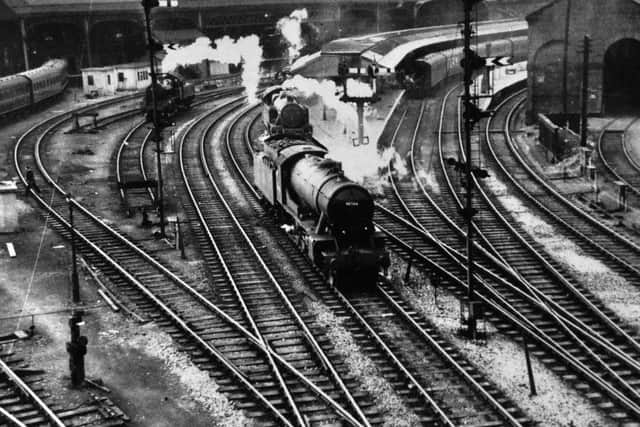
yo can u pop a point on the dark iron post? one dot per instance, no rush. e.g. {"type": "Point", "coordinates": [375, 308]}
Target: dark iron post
{"type": "Point", "coordinates": [77, 348]}
{"type": "Point", "coordinates": [147, 6]}
{"type": "Point", "coordinates": [75, 284]}
{"type": "Point", "coordinates": [585, 91]}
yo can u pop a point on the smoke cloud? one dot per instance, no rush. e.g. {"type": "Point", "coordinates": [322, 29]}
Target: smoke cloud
{"type": "Point", "coordinates": [328, 91]}
{"type": "Point", "coordinates": [245, 50]}
{"type": "Point", "coordinates": [365, 164]}
{"type": "Point", "coordinates": [290, 27]}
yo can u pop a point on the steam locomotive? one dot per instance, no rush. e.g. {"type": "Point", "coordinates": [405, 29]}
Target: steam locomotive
{"type": "Point", "coordinates": [172, 93]}
{"type": "Point", "coordinates": [328, 216]}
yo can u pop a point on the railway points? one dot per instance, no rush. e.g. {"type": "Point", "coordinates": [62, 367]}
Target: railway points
{"type": "Point", "coordinates": [314, 281]}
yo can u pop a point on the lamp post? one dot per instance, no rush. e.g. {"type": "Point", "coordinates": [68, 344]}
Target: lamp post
{"type": "Point", "coordinates": [147, 6]}
{"type": "Point", "coordinates": [75, 286]}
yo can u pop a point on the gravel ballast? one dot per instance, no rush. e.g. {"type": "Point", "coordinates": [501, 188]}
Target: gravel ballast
{"type": "Point", "coordinates": [500, 359]}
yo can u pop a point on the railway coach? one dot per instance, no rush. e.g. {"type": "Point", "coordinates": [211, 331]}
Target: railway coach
{"type": "Point", "coordinates": [26, 89]}
{"type": "Point", "coordinates": [429, 71]}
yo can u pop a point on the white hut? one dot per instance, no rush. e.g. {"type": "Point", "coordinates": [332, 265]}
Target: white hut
{"type": "Point", "coordinates": [104, 81]}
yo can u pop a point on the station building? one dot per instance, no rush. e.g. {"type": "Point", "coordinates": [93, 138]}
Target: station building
{"type": "Point", "coordinates": [104, 81]}
{"type": "Point", "coordinates": [555, 64]}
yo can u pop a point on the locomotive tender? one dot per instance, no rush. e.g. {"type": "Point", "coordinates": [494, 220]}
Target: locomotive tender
{"type": "Point", "coordinates": [328, 216]}
{"type": "Point", "coordinates": [173, 94]}
{"type": "Point", "coordinates": [26, 89]}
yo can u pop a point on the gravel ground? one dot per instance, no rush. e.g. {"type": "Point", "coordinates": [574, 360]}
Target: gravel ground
{"type": "Point", "coordinates": [393, 410]}
{"type": "Point", "coordinates": [200, 387]}
{"type": "Point", "coordinates": [501, 359]}
{"type": "Point", "coordinates": [154, 385]}
{"type": "Point", "coordinates": [615, 291]}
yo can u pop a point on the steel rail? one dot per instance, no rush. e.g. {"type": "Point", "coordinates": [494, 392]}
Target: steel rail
{"type": "Point", "coordinates": [121, 148]}
{"type": "Point", "coordinates": [310, 337]}
{"type": "Point", "coordinates": [570, 205]}
{"type": "Point", "coordinates": [504, 310]}
{"type": "Point", "coordinates": [131, 278]}
{"type": "Point", "coordinates": [327, 399]}
{"type": "Point", "coordinates": [196, 204]}
{"type": "Point", "coordinates": [595, 310]}
{"type": "Point", "coordinates": [445, 355]}
{"type": "Point", "coordinates": [207, 97]}
{"type": "Point", "coordinates": [30, 394]}
{"type": "Point", "coordinates": [612, 170]}
{"type": "Point", "coordinates": [536, 297]}
{"type": "Point", "coordinates": [496, 405]}
{"type": "Point", "coordinates": [427, 397]}
{"type": "Point", "coordinates": [175, 279]}
{"type": "Point", "coordinates": [9, 417]}
{"type": "Point", "coordinates": [597, 358]}
{"type": "Point", "coordinates": [444, 419]}
{"type": "Point", "coordinates": [625, 147]}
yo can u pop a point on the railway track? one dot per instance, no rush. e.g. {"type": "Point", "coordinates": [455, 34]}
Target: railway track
{"type": "Point", "coordinates": [244, 283]}
{"type": "Point", "coordinates": [614, 153]}
{"type": "Point", "coordinates": [131, 172]}
{"type": "Point", "coordinates": [438, 376]}
{"type": "Point", "coordinates": [20, 403]}
{"type": "Point", "coordinates": [573, 326]}
{"type": "Point", "coordinates": [594, 237]}
{"type": "Point", "coordinates": [215, 341]}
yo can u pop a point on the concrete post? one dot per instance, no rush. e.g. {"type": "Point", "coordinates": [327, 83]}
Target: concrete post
{"type": "Point", "coordinates": [87, 37]}
{"type": "Point", "coordinates": [25, 45]}
{"type": "Point", "coordinates": [360, 123]}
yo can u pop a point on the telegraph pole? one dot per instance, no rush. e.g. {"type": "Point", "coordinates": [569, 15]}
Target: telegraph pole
{"type": "Point", "coordinates": [585, 91]}
{"type": "Point", "coordinates": [565, 61]}
{"type": "Point", "coordinates": [156, 133]}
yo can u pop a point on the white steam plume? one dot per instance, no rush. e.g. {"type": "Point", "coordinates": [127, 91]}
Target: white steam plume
{"type": "Point", "coordinates": [245, 49]}
{"type": "Point", "coordinates": [291, 29]}
{"type": "Point", "coordinates": [328, 92]}
{"type": "Point", "coordinates": [364, 164]}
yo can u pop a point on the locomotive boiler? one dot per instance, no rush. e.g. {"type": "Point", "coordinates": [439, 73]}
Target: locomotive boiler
{"type": "Point", "coordinates": [328, 216]}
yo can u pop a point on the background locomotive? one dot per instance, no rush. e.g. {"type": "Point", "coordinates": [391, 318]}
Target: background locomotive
{"type": "Point", "coordinates": [31, 87]}
{"type": "Point", "coordinates": [329, 217]}
{"type": "Point", "coordinates": [173, 94]}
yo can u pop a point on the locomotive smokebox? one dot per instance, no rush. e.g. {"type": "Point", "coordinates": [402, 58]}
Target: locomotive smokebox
{"type": "Point", "coordinates": [320, 184]}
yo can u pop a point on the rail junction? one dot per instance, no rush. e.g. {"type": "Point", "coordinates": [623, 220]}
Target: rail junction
{"type": "Point", "coordinates": [490, 245]}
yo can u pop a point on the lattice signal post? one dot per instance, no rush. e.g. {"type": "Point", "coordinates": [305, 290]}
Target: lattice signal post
{"type": "Point", "coordinates": [472, 115]}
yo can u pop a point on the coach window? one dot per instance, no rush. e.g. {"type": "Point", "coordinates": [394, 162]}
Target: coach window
{"type": "Point", "coordinates": [120, 77]}
{"type": "Point", "coordinates": [108, 79]}
{"type": "Point", "coordinates": [90, 80]}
